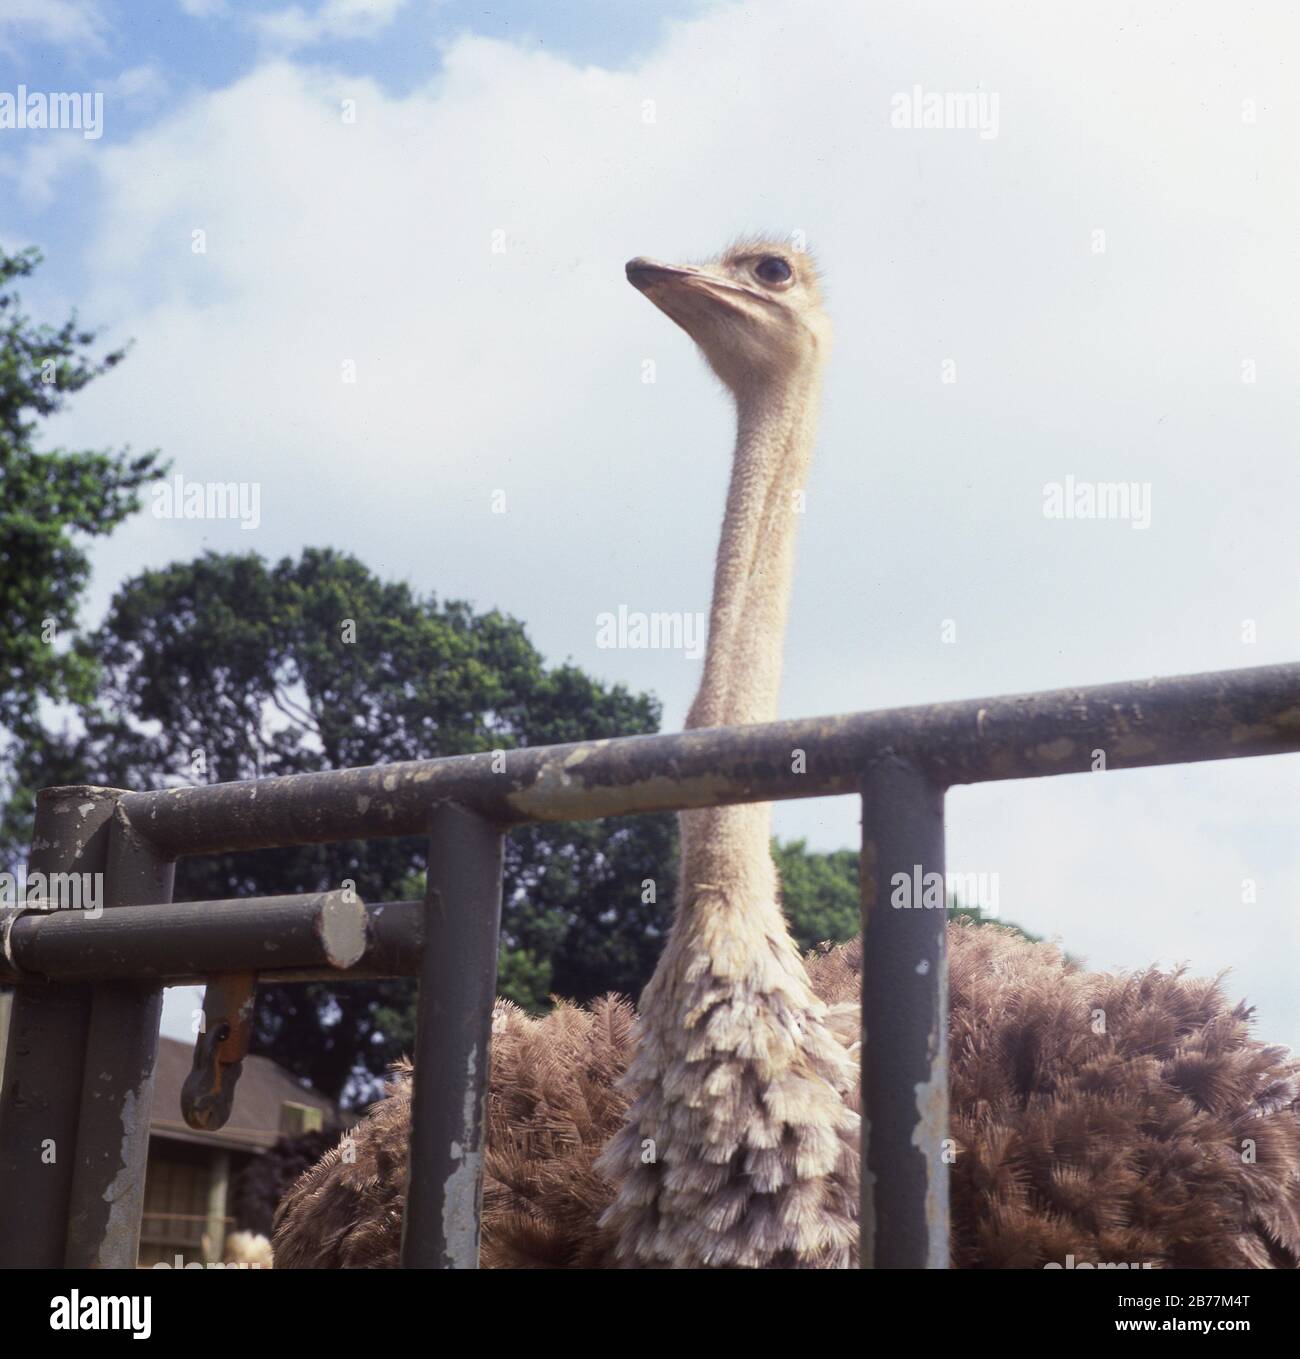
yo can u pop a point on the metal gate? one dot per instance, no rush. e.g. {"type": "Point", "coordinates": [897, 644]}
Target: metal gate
{"type": "Point", "coordinates": [78, 1084]}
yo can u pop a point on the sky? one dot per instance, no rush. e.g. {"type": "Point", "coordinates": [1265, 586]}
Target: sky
{"type": "Point", "coordinates": [1097, 280]}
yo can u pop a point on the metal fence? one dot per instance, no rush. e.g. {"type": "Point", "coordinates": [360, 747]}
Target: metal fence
{"type": "Point", "coordinates": [77, 1093]}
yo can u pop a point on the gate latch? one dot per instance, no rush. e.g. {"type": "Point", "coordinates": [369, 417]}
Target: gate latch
{"type": "Point", "coordinates": [219, 1052]}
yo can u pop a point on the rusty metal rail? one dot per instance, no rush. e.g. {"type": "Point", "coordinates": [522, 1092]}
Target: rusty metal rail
{"type": "Point", "coordinates": [1161, 721]}
{"type": "Point", "coordinates": [84, 1031]}
{"type": "Point", "coordinates": [187, 941]}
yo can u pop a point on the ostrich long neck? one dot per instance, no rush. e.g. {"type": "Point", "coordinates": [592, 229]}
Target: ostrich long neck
{"type": "Point", "coordinates": [751, 594]}
{"type": "Point", "coordinates": [740, 1146]}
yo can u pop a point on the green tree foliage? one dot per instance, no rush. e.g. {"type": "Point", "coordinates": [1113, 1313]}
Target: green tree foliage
{"type": "Point", "coordinates": [230, 668]}
{"type": "Point", "coordinates": [819, 893]}
{"type": "Point", "coordinates": [50, 502]}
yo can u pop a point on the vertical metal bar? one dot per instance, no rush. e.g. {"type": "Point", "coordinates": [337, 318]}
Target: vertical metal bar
{"type": "Point", "coordinates": [107, 1197]}
{"type": "Point", "coordinates": [458, 977]}
{"type": "Point", "coordinates": [41, 1098]}
{"type": "Point", "coordinates": [214, 1233]}
{"type": "Point", "coordinates": [904, 1021]}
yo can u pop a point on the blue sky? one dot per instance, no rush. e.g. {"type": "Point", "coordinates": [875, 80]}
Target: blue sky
{"type": "Point", "coordinates": [1105, 289]}
{"type": "Point", "coordinates": [211, 42]}
{"type": "Point", "coordinates": [168, 51]}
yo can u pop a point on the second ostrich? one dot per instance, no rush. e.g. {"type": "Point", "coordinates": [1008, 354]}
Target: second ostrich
{"type": "Point", "coordinates": [721, 1129]}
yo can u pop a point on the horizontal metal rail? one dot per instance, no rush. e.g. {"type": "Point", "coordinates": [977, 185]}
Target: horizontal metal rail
{"type": "Point", "coordinates": [1185, 719]}
{"type": "Point", "coordinates": [320, 933]}
{"type": "Point", "coordinates": [85, 1021]}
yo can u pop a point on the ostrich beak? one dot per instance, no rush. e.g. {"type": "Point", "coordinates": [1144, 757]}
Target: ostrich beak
{"type": "Point", "coordinates": [643, 273]}
{"type": "Point", "coordinates": [649, 276]}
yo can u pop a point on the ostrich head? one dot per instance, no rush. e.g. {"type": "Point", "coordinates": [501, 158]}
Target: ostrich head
{"type": "Point", "coordinates": [755, 311]}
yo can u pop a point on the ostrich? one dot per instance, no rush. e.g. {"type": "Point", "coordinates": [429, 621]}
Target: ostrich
{"type": "Point", "coordinates": [740, 1147]}
{"type": "Point", "coordinates": [720, 1127]}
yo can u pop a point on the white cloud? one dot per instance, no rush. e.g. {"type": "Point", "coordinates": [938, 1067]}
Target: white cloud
{"type": "Point", "coordinates": [69, 23]}
{"type": "Point", "coordinates": [49, 161]}
{"type": "Point", "coordinates": [204, 9]}
{"type": "Point", "coordinates": [334, 20]}
{"type": "Point", "coordinates": [137, 85]}
{"type": "Point", "coordinates": [372, 242]}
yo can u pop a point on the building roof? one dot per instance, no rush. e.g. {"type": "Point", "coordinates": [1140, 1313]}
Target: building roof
{"type": "Point", "coordinates": [261, 1092]}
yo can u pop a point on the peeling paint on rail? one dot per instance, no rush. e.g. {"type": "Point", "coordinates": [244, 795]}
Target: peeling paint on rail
{"type": "Point", "coordinates": [1183, 719]}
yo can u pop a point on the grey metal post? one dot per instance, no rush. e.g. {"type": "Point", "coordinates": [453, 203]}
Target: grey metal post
{"type": "Point", "coordinates": [48, 1030]}
{"type": "Point", "coordinates": [904, 1020]}
{"type": "Point", "coordinates": [458, 976]}
{"type": "Point", "coordinates": [107, 1197]}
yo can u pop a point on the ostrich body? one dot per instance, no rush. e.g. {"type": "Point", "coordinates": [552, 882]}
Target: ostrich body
{"type": "Point", "coordinates": [720, 1128]}
{"type": "Point", "coordinates": [1121, 1146]}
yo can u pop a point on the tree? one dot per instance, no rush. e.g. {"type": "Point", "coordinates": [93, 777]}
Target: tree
{"type": "Point", "coordinates": [49, 502]}
{"type": "Point", "coordinates": [228, 668]}
{"type": "Point", "coordinates": [819, 893]}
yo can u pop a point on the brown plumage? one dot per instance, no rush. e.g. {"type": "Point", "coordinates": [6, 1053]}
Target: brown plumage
{"type": "Point", "coordinates": [553, 1103]}
{"type": "Point", "coordinates": [1125, 1118]}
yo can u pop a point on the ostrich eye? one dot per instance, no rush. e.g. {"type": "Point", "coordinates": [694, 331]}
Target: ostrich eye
{"type": "Point", "coordinates": [773, 270]}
